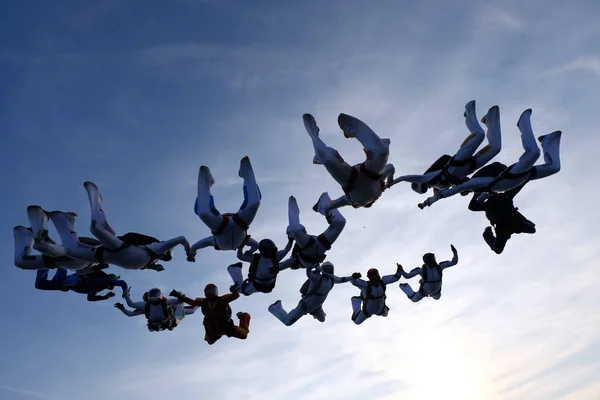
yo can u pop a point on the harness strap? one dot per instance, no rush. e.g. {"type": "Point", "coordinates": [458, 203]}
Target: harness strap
{"type": "Point", "coordinates": [238, 220]}
{"type": "Point", "coordinates": [353, 177]}
{"type": "Point", "coordinates": [223, 225]}
{"type": "Point", "coordinates": [369, 174]}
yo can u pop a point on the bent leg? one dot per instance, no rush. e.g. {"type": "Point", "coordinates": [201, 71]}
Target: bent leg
{"type": "Point", "coordinates": [376, 149]}
{"type": "Point", "coordinates": [98, 216]}
{"type": "Point", "coordinates": [38, 220]}
{"type": "Point", "coordinates": [336, 222]}
{"type": "Point", "coordinates": [358, 316]}
{"type": "Point", "coordinates": [327, 156]}
{"type": "Point", "coordinates": [410, 293]}
{"type": "Point", "coordinates": [551, 148]}
{"type": "Point", "coordinates": [241, 331]}
{"type": "Point", "coordinates": [286, 318]}
{"type": "Point", "coordinates": [205, 202]}
{"type": "Point", "coordinates": [532, 152]}
{"type": "Point", "coordinates": [43, 283]}
{"type": "Point", "coordinates": [235, 271]}
{"type": "Point", "coordinates": [494, 137]}
{"type": "Point", "coordinates": [99, 225]}
{"type": "Point", "coordinates": [252, 195]}
{"type": "Point", "coordinates": [476, 136]}
{"type": "Point", "coordinates": [65, 226]}
{"type": "Point", "coordinates": [23, 245]}
{"type": "Point", "coordinates": [319, 314]}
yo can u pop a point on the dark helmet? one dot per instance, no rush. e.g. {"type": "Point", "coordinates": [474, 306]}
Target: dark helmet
{"type": "Point", "coordinates": [429, 259]}
{"type": "Point", "coordinates": [419, 187]}
{"type": "Point", "coordinates": [267, 248]}
{"type": "Point", "coordinates": [327, 267]}
{"type": "Point", "coordinates": [211, 291]}
{"type": "Point", "coordinates": [373, 273]}
{"type": "Point", "coordinates": [154, 294]}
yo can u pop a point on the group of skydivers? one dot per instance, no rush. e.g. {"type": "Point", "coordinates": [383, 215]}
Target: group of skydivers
{"type": "Point", "coordinates": [493, 187]}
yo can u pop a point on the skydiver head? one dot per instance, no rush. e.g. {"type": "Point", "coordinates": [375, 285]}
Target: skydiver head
{"type": "Point", "coordinates": [167, 256]}
{"type": "Point", "coordinates": [154, 295]}
{"type": "Point", "coordinates": [327, 267]}
{"type": "Point", "coordinates": [429, 259]}
{"type": "Point", "coordinates": [419, 187]}
{"type": "Point", "coordinates": [211, 291]}
{"type": "Point", "coordinates": [373, 275]}
{"type": "Point", "coordinates": [267, 248]}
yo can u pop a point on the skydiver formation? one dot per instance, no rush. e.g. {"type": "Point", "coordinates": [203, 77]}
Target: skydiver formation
{"type": "Point", "coordinates": [493, 186]}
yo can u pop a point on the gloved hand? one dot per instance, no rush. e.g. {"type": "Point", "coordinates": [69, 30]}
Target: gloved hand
{"type": "Point", "coordinates": [399, 269]}
{"type": "Point", "coordinates": [233, 288]}
{"type": "Point", "coordinates": [110, 294]}
{"type": "Point", "coordinates": [453, 249]}
{"type": "Point", "coordinates": [248, 253]}
{"type": "Point", "coordinates": [119, 306]}
{"type": "Point", "coordinates": [356, 275]}
{"type": "Point", "coordinates": [175, 293]}
{"type": "Point", "coordinates": [191, 258]}
{"type": "Point", "coordinates": [126, 292]}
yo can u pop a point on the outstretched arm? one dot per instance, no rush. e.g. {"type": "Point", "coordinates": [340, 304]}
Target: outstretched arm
{"type": "Point", "coordinates": [128, 312]}
{"type": "Point", "coordinates": [133, 304]}
{"type": "Point", "coordinates": [393, 278]}
{"type": "Point", "coordinates": [414, 272]}
{"type": "Point", "coordinates": [181, 297]}
{"type": "Point", "coordinates": [471, 185]}
{"type": "Point", "coordinates": [253, 244]}
{"type": "Point", "coordinates": [95, 297]}
{"type": "Point", "coordinates": [241, 256]}
{"type": "Point", "coordinates": [356, 281]}
{"type": "Point", "coordinates": [414, 178]}
{"type": "Point", "coordinates": [282, 253]}
{"type": "Point", "coordinates": [229, 297]}
{"type": "Point", "coordinates": [454, 261]}
{"type": "Point", "coordinates": [337, 279]}
{"type": "Point", "coordinates": [478, 202]}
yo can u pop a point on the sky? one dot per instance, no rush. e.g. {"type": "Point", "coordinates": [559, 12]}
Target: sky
{"type": "Point", "coordinates": [136, 96]}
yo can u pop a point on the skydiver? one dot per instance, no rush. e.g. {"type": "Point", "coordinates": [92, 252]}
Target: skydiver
{"type": "Point", "coordinates": [314, 293]}
{"type": "Point", "coordinates": [431, 277]}
{"type": "Point", "coordinates": [129, 251]}
{"type": "Point", "coordinates": [229, 231]}
{"type": "Point", "coordinates": [453, 170]}
{"type": "Point", "coordinates": [24, 259]}
{"type": "Point", "coordinates": [372, 294]}
{"type": "Point", "coordinates": [161, 313]}
{"type": "Point", "coordinates": [496, 177]}
{"type": "Point", "coordinates": [363, 183]}
{"type": "Point", "coordinates": [264, 267]}
{"type": "Point", "coordinates": [504, 217]}
{"type": "Point", "coordinates": [217, 314]}
{"type": "Point", "coordinates": [90, 284]}
{"type": "Point", "coordinates": [309, 250]}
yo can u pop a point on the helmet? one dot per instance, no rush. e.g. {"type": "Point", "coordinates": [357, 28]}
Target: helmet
{"type": "Point", "coordinates": [373, 273]}
{"type": "Point", "coordinates": [154, 294]}
{"type": "Point", "coordinates": [167, 256]}
{"type": "Point", "coordinates": [211, 291]}
{"type": "Point", "coordinates": [419, 188]}
{"type": "Point", "coordinates": [429, 259]}
{"type": "Point", "coordinates": [295, 230]}
{"type": "Point", "coordinates": [327, 267]}
{"type": "Point", "coordinates": [267, 248]}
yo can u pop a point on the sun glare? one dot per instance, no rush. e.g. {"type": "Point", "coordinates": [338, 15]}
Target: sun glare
{"type": "Point", "coordinates": [447, 368]}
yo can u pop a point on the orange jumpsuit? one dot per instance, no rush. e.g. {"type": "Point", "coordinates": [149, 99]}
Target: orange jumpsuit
{"type": "Point", "coordinates": [217, 317]}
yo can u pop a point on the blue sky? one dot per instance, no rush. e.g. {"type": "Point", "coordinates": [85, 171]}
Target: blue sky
{"type": "Point", "coordinates": [135, 96]}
